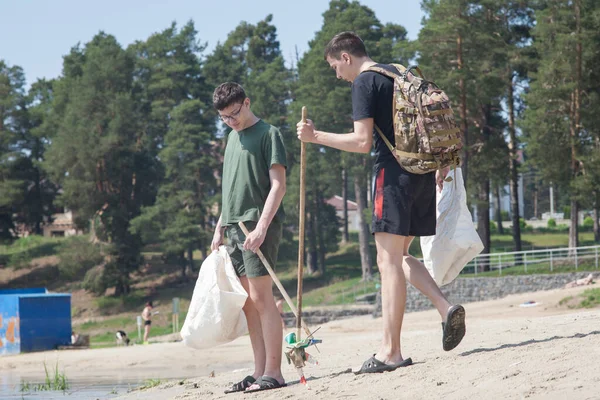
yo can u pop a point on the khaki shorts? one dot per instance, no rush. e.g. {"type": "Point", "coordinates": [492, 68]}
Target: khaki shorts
{"type": "Point", "coordinates": [245, 262]}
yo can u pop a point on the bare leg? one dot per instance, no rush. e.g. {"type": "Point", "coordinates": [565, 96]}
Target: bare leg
{"type": "Point", "coordinates": [146, 333]}
{"type": "Point", "coordinates": [416, 273]}
{"type": "Point", "coordinates": [261, 293]}
{"type": "Point", "coordinates": [255, 332]}
{"type": "Point", "coordinates": [393, 294]}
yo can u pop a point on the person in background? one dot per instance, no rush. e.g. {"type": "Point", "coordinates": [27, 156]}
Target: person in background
{"type": "Point", "coordinates": [147, 317]}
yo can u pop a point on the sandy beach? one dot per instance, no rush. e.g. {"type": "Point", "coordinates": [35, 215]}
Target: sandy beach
{"type": "Point", "coordinates": [510, 352]}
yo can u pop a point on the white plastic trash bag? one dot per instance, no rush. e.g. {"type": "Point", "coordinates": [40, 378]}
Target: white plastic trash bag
{"type": "Point", "coordinates": [456, 241]}
{"type": "Point", "coordinates": [215, 315]}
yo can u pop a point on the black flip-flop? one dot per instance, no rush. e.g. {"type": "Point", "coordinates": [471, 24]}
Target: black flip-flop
{"type": "Point", "coordinates": [266, 383]}
{"type": "Point", "coordinates": [373, 366]}
{"type": "Point", "coordinates": [241, 385]}
{"type": "Point", "coordinates": [454, 328]}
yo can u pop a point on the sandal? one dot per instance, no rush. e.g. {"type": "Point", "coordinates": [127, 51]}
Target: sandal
{"type": "Point", "coordinates": [266, 383]}
{"type": "Point", "coordinates": [241, 385]}
{"type": "Point", "coordinates": [373, 365]}
{"type": "Point", "coordinates": [454, 328]}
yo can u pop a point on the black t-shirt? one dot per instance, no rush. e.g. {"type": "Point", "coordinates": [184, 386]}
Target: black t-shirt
{"type": "Point", "coordinates": [372, 96]}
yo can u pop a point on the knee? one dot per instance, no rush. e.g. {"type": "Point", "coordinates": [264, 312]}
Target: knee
{"type": "Point", "coordinates": [386, 261]}
{"type": "Point", "coordinates": [261, 301]}
{"type": "Point", "coordinates": [248, 306]}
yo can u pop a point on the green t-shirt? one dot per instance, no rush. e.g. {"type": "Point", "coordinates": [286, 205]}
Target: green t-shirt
{"type": "Point", "coordinates": [249, 155]}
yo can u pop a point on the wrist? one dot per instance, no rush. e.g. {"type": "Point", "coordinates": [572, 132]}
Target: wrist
{"type": "Point", "coordinates": [316, 136]}
{"type": "Point", "coordinates": [262, 226]}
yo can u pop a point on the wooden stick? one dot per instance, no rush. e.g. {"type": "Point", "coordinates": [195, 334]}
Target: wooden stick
{"type": "Point", "coordinates": [275, 279]}
{"type": "Point", "coordinates": [301, 213]}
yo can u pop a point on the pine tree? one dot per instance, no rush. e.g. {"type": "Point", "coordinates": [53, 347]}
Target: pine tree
{"type": "Point", "coordinates": [33, 135]}
{"type": "Point", "coordinates": [558, 138]}
{"type": "Point", "coordinates": [98, 155]}
{"type": "Point", "coordinates": [173, 93]}
{"type": "Point", "coordinates": [12, 93]}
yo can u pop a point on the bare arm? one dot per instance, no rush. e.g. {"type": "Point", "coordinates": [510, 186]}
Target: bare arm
{"type": "Point", "coordinates": [274, 198]}
{"type": "Point", "coordinates": [359, 141]}
{"type": "Point", "coordinates": [276, 193]}
{"type": "Point", "coordinates": [217, 236]}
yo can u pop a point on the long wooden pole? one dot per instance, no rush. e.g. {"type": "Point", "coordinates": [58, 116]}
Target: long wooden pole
{"type": "Point", "coordinates": [301, 213]}
{"type": "Point", "coordinates": [275, 279]}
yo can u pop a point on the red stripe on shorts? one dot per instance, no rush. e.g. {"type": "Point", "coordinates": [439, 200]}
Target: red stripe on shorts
{"type": "Point", "coordinates": [379, 194]}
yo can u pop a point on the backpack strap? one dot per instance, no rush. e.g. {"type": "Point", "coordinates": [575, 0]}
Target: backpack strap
{"type": "Point", "coordinates": [387, 142]}
{"type": "Point", "coordinates": [402, 71]}
{"type": "Point", "coordinates": [384, 71]}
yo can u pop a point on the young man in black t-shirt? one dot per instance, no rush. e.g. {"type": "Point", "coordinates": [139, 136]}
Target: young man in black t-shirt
{"type": "Point", "coordinates": [404, 204]}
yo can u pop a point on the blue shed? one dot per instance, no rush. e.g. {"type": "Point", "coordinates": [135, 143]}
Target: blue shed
{"type": "Point", "coordinates": [33, 320]}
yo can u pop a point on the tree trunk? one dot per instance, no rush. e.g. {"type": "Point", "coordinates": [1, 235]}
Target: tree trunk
{"type": "Point", "coordinates": [483, 207]}
{"type": "Point", "coordinates": [535, 202]}
{"type": "Point", "coordinates": [363, 232]}
{"type": "Point", "coordinates": [122, 289]}
{"type": "Point", "coordinates": [596, 216]}
{"type": "Point", "coordinates": [575, 126]}
{"type": "Point", "coordinates": [39, 206]}
{"type": "Point", "coordinates": [483, 220]}
{"type": "Point", "coordinates": [345, 235]}
{"type": "Point", "coordinates": [499, 211]}
{"type": "Point", "coordinates": [513, 169]}
{"type": "Point", "coordinates": [182, 261]}
{"type": "Point", "coordinates": [463, 110]}
{"type": "Point", "coordinates": [574, 228]}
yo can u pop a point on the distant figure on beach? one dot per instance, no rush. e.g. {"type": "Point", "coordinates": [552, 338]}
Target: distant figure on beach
{"type": "Point", "coordinates": [147, 317]}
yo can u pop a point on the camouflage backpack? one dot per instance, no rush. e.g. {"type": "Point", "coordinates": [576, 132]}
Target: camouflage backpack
{"type": "Point", "coordinates": [427, 136]}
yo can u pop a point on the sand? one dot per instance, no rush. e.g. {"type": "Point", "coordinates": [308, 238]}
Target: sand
{"type": "Point", "coordinates": [509, 352]}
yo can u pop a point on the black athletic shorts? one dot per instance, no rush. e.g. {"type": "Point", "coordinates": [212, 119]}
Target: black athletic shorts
{"type": "Point", "coordinates": [403, 203]}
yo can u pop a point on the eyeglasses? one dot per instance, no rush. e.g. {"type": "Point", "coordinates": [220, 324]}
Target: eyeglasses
{"type": "Point", "coordinates": [233, 116]}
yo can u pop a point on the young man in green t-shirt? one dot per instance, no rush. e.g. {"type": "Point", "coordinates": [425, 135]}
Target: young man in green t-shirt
{"type": "Point", "coordinates": [253, 187]}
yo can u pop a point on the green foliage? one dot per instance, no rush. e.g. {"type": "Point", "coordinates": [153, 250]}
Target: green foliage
{"type": "Point", "coordinates": [53, 382]}
{"type": "Point", "coordinates": [12, 83]}
{"type": "Point", "coordinates": [591, 298]}
{"type": "Point", "coordinates": [551, 223]}
{"type": "Point", "coordinates": [94, 281]}
{"type": "Point", "coordinates": [105, 167]}
{"type": "Point", "coordinates": [588, 222]}
{"type": "Point", "coordinates": [130, 137]}
{"type": "Point", "coordinates": [181, 117]}
{"type": "Point", "coordinates": [522, 223]}
{"type": "Point", "coordinates": [150, 383]}
{"type": "Point", "coordinates": [77, 255]}
{"type": "Point", "coordinates": [25, 249]}
{"type": "Point", "coordinates": [557, 124]}
{"type": "Point", "coordinates": [493, 227]}
{"type": "Point", "coordinates": [109, 305]}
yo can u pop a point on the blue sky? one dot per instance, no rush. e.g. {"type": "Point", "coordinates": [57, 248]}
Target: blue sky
{"type": "Point", "coordinates": [35, 34]}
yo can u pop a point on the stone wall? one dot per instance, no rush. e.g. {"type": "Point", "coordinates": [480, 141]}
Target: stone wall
{"type": "Point", "coordinates": [466, 290]}
{"type": "Point", "coordinates": [319, 315]}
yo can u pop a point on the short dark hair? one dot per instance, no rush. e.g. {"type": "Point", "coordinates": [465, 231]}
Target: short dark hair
{"type": "Point", "coordinates": [228, 93]}
{"type": "Point", "coordinates": [149, 304]}
{"type": "Point", "coordinates": [347, 41]}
